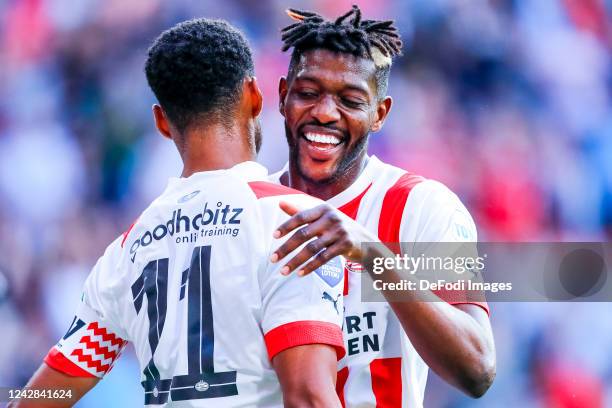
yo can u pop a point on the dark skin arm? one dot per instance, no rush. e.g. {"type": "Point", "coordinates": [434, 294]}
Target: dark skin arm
{"type": "Point", "coordinates": [47, 378]}
{"type": "Point", "coordinates": [455, 341]}
{"type": "Point", "coordinates": [307, 376]}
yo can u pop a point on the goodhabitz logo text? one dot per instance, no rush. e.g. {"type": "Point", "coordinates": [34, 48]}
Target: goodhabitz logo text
{"type": "Point", "coordinates": [219, 221]}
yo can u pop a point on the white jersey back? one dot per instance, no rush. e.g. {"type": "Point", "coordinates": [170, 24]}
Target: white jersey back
{"type": "Point", "coordinates": [191, 286]}
{"type": "Point", "coordinates": [381, 368]}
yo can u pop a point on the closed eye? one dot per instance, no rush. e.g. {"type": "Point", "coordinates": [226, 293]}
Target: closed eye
{"type": "Point", "coordinates": [307, 94]}
{"type": "Point", "coordinates": [352, 103]}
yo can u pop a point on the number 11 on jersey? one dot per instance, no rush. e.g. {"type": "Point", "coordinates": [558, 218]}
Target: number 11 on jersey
{"type": "Point", "coordinates": [201, 380]}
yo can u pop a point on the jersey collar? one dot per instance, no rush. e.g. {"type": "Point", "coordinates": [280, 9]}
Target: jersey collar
{"type": "Point", "coordinates": [363, 181]}
{"type": "Point", "coordinates": [248, 171]}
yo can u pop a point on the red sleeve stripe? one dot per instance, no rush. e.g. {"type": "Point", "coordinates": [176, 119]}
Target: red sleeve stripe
{"type": "Point", "coordinates": [61, 363]}
{"type": "Point", "coordinates": [393, 207]}
{"type": "Point", "coordinates": [301, 333]}
{"type": "Point", "coordinates": [264, 189]}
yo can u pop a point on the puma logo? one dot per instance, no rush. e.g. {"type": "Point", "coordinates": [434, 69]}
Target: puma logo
{"type": "Point", "coordinates": [327, 296]}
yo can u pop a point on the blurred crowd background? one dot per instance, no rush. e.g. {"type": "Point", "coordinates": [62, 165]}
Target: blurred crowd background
{"type": "Point", "coordinates": [508, 102]}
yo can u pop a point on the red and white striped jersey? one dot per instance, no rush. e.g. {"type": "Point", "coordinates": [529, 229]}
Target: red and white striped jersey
{"type": "Point", "coordinates": [191, 286]}
{"type": "Point", "coordinates": [381, 368]}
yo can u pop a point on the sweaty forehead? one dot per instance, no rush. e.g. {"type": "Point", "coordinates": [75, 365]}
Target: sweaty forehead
{"type": "Point", "coordinates": [336, 69]}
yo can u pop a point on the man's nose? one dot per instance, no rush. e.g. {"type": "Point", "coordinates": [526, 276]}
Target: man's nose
{"type": "Point", "coordinates": [326, 110]}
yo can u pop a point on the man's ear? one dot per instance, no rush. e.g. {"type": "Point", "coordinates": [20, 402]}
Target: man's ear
{"type": "Point", "coordinates": [382, 110]}
{"type": "Point", "coordinates": [282, 94]}
{"type": "Point", "coordinates": [255, 96]}
{"type": "Point", "coordinates": [161, 121]}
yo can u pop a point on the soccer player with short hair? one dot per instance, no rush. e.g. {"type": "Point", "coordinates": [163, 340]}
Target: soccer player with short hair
{"type": "Point", "coordinates": [334, 95]}
{"type": "Point", "coordinates": [190, 284]}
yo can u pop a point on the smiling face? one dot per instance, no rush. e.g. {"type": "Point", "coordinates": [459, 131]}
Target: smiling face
{"type": "Point", "coordinates": [330, 104]}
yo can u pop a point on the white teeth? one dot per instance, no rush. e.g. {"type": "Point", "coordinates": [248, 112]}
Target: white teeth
{"type": "Point", "coordinates": [319, 138]}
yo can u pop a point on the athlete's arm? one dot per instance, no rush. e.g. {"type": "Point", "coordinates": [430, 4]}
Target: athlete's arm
{"type": "Point", "coordinates": [46, 378]}
{"type": "Point", "coordinates": [301, 320]}
{"type": "Point", "coordinates": [455, 341]}
{"type": "Point", "coordinates": [307, 376]}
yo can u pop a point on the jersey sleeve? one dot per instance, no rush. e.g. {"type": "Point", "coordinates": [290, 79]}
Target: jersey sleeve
{"type": "Point", "coordinates": [441, 218]}
{"type": "Point", "coordinates": [94, 339]}
{"type": "Point", "coordinates": [300, 310]}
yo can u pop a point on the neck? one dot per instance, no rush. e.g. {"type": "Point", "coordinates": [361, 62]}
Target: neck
{"type": "Point", "coordinates": [324, 191]}
{"type": "Point", "coordinates": [214, 147]}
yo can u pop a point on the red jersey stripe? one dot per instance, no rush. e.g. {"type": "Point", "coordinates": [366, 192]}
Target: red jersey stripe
{"type": "Point", "coordinates": [264, 189]}
{"type": "Point", "coordinates": [346, 278]}
{"type": "Point", "coordinates": [387, 382]}
{"type": "Point", "coordinates": [387, 372]}
{"type": "Point", "coordinates": [393, 207]}
{"type": "Point", "coordinates": [340, 383]}
{"type": "Point", "coordinates": [350, 209]}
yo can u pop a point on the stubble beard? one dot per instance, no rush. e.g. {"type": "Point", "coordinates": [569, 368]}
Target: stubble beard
{"type": "Point", "coordinates": [347, 161]}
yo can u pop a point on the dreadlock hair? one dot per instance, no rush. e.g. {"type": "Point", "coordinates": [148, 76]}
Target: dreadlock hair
{"type": "Point", "coordinates": [373, 39]}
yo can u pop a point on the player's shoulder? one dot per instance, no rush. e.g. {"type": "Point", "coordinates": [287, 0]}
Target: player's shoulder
{"type": "Point", "coordinates": [392, 180]}
{"type": "Point", "coordinates": [399, 182]}
{"type": "Point", "coordinates": [105, 274]}
{"type": "Point", "coordinates": [113, 250]}
{"type": "Point", "coordinates": [433, 200]}
{"type": "Point", "coordinates": [434, 203]}
{"type": "Point", "coordinates": [266, 189]}
{"type": "Point", "coordinates": [416, 208]}
{"type": "Point", "coordinates": [435, 193]}
{"type": "Point", "coordinates": [276, 177]}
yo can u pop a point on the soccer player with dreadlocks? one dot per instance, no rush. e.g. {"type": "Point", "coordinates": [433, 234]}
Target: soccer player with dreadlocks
{"type": "Point", "coordinates": [334, 96]}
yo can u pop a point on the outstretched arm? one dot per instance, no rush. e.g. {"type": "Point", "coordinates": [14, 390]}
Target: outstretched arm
{"type": "Point", "coordinates": [46, 378]}
{"type": "Point", "coordinates": [455, 341]}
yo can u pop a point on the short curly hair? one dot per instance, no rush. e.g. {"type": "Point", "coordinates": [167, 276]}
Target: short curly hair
{"type": "Point", "coordinates": [196, 69]}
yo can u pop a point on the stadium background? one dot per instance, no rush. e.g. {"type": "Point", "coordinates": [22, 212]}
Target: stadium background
{"type": "Point", "coordinates": [507, 102]}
